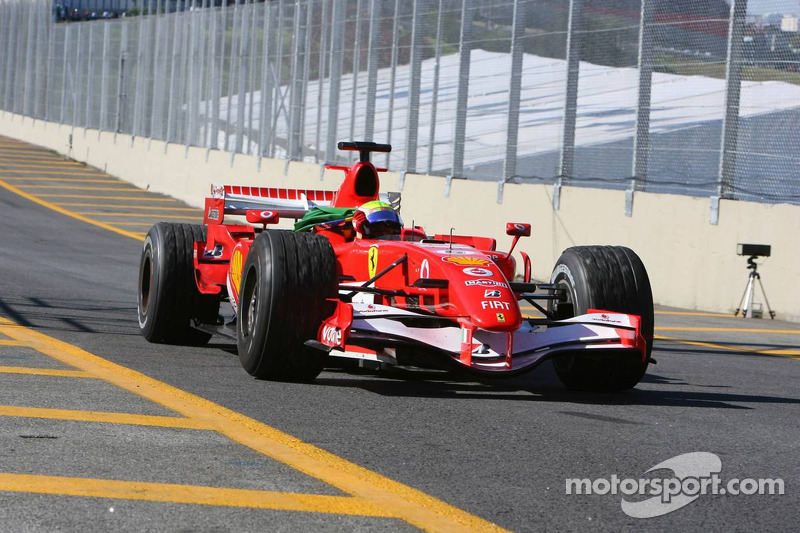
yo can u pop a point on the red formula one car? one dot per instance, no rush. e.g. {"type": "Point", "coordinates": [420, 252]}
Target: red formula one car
{"type": "Point", "coordinates": [351, 282]}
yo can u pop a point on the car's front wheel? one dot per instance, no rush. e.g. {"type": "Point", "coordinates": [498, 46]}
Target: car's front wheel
{"type": "Point", "coordinates": [286, 282]}
{"type": "Point", "coordinates": [610, 278]}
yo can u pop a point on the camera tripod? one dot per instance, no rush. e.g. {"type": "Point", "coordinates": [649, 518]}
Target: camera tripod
{"type": "Point", "coordinates": [750, 289]}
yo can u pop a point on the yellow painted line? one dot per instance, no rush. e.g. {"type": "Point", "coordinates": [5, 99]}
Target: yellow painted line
{"type": "Point", "coordinates": [137, 215]}
{"type": "Point", "coordinates": [690, 313]}
{"type": "Point", "coordinates": [189, 494]}
{"type": "Point", "coordinates": [143, 224]}
{"type": "Point", "coordinates": [80, 188]}
{"type": "Point", "coordinates": [143, 207]}
{"type": "Point", "coordinates": [782, 352]}
{"type": "Point", "coordinates": [89, 172]}
{"type": "Point", "coordinates": [36, 158]}
{"type": "Point", "coordinates": [44, 372]}
{"type": "Point", "coordinates": [4, 162]}
{"type": "Point", "coordinates": [391, 497]}
{"type": "Point", "coordinates": [90, 197]}
{"type": "Point", "coordinates": [744, 330]}
{"type": "Point", "coordinates": [71, 180]}
{"type": "Point", "coordinates": [103, 417]}
{"type": "Point", "coordinates": [6, 342]}
{"type": "Point", "coordinates": [15, 150]}
{"type": "Point", "coordinates": [63, 211]}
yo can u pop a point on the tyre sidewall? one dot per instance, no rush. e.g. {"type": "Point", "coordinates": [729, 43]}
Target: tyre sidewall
{"type": "Point", "coordinates": [152, 257]}
{"type": "Point", "coordinates": [252, 339]}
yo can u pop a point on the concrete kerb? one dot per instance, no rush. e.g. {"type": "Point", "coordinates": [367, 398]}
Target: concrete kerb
{"type": "Point", "coordinates": [692, 264]}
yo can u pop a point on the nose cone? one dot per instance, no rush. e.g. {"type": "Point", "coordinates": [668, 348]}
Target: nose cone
{"type": "Point", "coordinates": [481, 291]}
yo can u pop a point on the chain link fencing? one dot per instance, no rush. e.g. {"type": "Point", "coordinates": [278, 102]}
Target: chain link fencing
{"type": "Point", "coordinates": [693, 97]}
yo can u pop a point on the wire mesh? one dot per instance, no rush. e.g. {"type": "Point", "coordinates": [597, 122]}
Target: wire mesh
{"type": "Point", "coordinates": [697, 97]}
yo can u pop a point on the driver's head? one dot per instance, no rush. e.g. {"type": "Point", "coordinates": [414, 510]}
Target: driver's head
{"type": "Point", "coordinates": [376, 219]}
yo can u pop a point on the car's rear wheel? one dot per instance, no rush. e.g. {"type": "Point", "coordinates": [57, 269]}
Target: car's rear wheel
{"type": "Point", "coordinates": [168, 298]}
{"type": "Point", "coordinates": [287, 279]}
{"type": "Point", "coordinates": [610, 278]}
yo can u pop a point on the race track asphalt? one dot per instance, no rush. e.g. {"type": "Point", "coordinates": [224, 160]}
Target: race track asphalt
{"type": "Point", "coordinates": [499, 451]}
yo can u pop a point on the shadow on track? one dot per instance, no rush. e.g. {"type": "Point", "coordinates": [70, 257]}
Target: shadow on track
{"type": "Point", "coordinates": [72, 315]}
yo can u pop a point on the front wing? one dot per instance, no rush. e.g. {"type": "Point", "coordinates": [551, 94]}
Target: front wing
{"type": "Point", "coordinates": [374, 332]}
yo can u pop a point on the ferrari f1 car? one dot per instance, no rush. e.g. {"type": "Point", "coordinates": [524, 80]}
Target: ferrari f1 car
{"type": "Point", "coordinates": [352, 282]}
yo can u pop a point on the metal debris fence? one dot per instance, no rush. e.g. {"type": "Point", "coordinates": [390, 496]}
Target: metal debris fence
{"type": "Point", "coordinates": [695, 97]}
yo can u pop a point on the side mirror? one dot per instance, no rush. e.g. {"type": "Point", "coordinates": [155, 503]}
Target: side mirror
{"type": "Point", "coordinates": [254, 216]}
{"type": "Point", "coordinates": [518, 230]}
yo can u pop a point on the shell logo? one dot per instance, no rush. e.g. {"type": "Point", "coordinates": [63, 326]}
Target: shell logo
{"type": "Point", "coordinates": [465, 260]}
{"type": "Point", "coordinates": [236, 269]}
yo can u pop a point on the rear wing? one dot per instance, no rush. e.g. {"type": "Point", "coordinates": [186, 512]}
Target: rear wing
{"type": "Point", "coordinates": [287, 203]}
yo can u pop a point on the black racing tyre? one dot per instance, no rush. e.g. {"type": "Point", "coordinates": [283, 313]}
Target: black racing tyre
{"type": "Point", "coordinates": [286, 280]}
{"type": "Point", "coordinates": [610, 278]}
{"type": "Point", "coordinates": [168, 298]}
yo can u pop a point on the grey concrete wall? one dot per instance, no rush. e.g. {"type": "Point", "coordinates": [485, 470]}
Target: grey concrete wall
{"type": "Point", "coordinates": [692, 264]}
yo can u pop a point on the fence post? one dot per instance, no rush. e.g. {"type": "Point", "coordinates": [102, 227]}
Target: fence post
{"type": "Point", "coordinates": [393, 75]}
{"type": "Point", "coordinates": [89, 87]}
{"type": "Point", "coordinates": [265, 117]}
{"type": "Point", "coordinates": [515, 86]}
{"type": "Point", "coordinates": [306, 69]}
{"type": "Point", "coordinates": [193, 108]}
{"type": "Point", "coordinates": [48, 80]}
{"type": "Point", "coordinates": [219, 28]}
{"type": "Point", "coordinates": [159, 77]}
{"type": "Point", "coordinates": [322, 61]}
{"type": "Point", "coordinates": [63, 103]}
{"type": "Point", "coordinates": [465, 48]}
{"type": "Point", "coordinates": [337, 42]}
{"type": "Point", "coordinates": [41, 49]}
{"type": "Point", "coordinates": [28, 81]}
{"type": "Point", "coordinates": [372, 69]}
{"type": "Point", "coordinates": [412, 122]}
{"type": "Point", "coordinates": [567, 162]}
{"type": "Point", "coordinates": [123, 52]}
{"type": "Point", "coordinates": [232, 74]}
{"type": "Point", "coordinates": [641, 139]}
{"type": "Point", "coordinates": [244, 29]}
{"type": "Point", "coordinates": [172, 103]}
{"type": "Point", "coordinates": [730, 124]}
{"type": "Point", "coordinates": [435, 94]}
{"type": "Point", "coordinates": [297, 89]}
{"type": "Point", "coordinates": [103, 123]}
{"type": "Point", "coordinates": [11, 56]}
{"type": "Point", "coordinates": [356, 68]}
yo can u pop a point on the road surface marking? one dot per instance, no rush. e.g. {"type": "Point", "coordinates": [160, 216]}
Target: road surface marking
{"type": "Point", "coordinates": [49, 205]}
{"type": "Point", "coordinates": [69, 180]}
{"type": "Point", "coordinates": [6, 342]}
{"type": "Point", "coordinates": [83, 187]}
{"type": "Point", "coordinates": [744, 330]}
{"type": "Point", "coordinates": [89, 172]}
{"type": "Point", "coordinates": [781, 352]}
{"type": "Point", "coordinates": [692, 313]}
{"type": "Point", "coordinates": [44, 371]}
{"type": "Point", "coordinates": [142, 207]}
{"type": "Point", "coordinates": [189, 494]}
{"type": "Point", "coordinates": [137, 215]}
{"type": "Point", "coordinates": [368, 487]}
{"type": "Point", "coordinates": [104, 417]}
{"type": "Point", "coordinates": [6, 162]}
{"type": "Point", "coordinates": [138, 198]}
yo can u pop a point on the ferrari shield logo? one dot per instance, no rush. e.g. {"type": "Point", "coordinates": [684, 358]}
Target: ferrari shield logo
{"type": "Point", "coordinates": [372, 261]}
{"type": "Point", "coordinates": [236, 269]}
{"type": "Point", "coordinates": [501, 317]}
